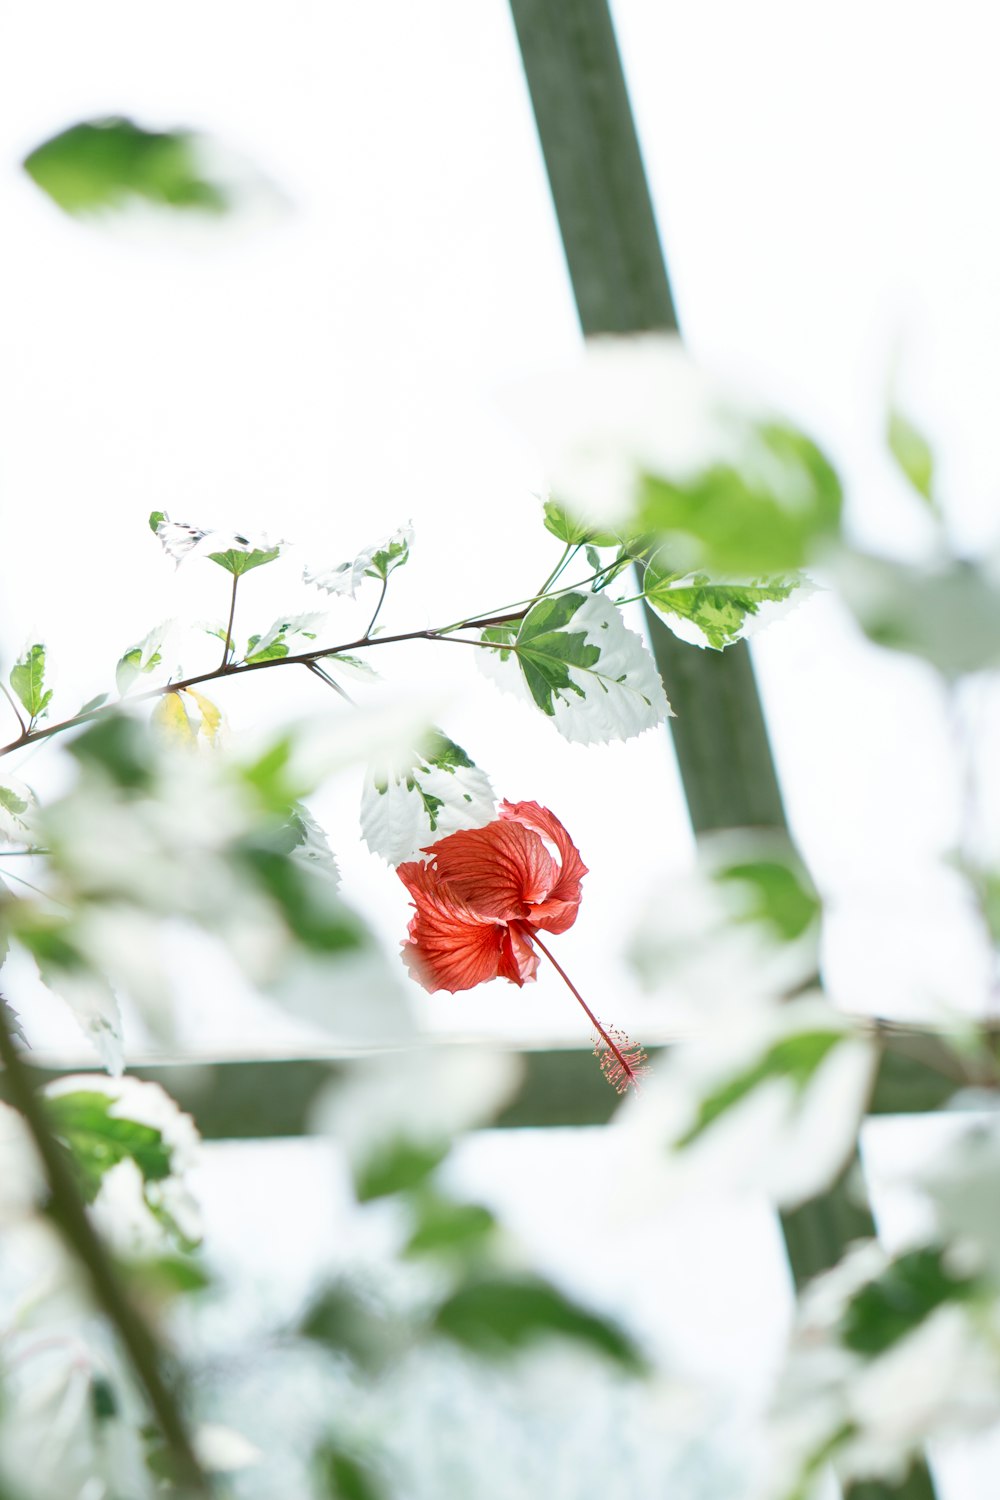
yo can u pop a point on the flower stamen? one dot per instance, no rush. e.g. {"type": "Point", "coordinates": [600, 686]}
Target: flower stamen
{"type": "Point", "coordinates": [621, 1063]}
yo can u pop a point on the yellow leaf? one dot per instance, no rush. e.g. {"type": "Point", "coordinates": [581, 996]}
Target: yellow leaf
{"type": "Point", "coordinates": [170, 718]}
{"type": "Point", "coordinates": [211, 716]}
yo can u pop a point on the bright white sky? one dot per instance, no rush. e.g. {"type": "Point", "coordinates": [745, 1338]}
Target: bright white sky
{"type": "Point", "coordinates": [823, 182]}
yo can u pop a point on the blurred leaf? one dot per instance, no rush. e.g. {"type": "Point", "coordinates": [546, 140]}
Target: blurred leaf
{"type": "Point", "coordinates": [98, 1140]}
{"type": "Point", "coordinates": [344, 1476]}
{"type": "Point", "coordinates": [161, 1278]}
{"type": "Point", "coordinates": [780, 893]}
{"type": "Point", "coordinates": [397, 1166]}
{"type": "Point", "coordinates": [64, 969]}
{"type": "Point", "coordinates": [950, 616]}
{"type": "Point", "coordinates": [898, 1300]}
{"type": "Point", "coordinates": [497, 1316]}
{"type": "Point", "coordinates": [912, 452]}
{"type": "Point", "coordinates": [18, 810]}
{"type": "Point", "coordinates": [763, 515]}
{"type": "Point", "coordinates": [448, 1229]}
{"type": "Point", "coordinates": [307, 900]}
{"type": "Point", "coordinates": [171, 719]}
{"type": "Point", "coordinates": [102, 165]}
{"type": "Point", "coordinates": [92, 703]}
{"type": "Point", "coordinates": [796, 1058]}
{"type": "Point", "coordinates": [348, 1323]}
{"type": "Point", "coordinates": [119, 746]}
{"type": "Point", "coordinates": [27, 678]}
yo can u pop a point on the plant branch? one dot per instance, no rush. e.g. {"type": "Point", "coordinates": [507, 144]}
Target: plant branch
{"type": "Point", "coordinates": [70, 1216]}
{"type": "Point", "coordinates": [381, 601]}
{"type": "Point", "coordinates": [317, 670]}
{"type": "Point", "coordinates": [241, 669]}
{"type": "Point", "coordinates": [17, 712]}
{"type": "Point", "coordinates": [228, 645]}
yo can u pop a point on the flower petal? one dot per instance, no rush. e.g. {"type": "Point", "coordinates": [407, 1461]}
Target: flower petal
{"type": "Point", "coordinates": [557, 910]}
{"type": "Point", "coordinates": [450, 947]}
{"type": "Point", "coordinates": [500, 871]}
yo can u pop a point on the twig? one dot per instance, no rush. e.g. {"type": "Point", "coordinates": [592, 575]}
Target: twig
{"type": "Point", "coordinates": [381, 601]}
{"type": "Point", "coordinates": [70, 1215]}
{"type": "Point", "coordinates": [228, 646]}
{"type": "Point", "coordinates": [17, 712]}
{"type": "Point", "coordinates": [240, 669]}
{"type": "Point", "coordinates": [315, 668]}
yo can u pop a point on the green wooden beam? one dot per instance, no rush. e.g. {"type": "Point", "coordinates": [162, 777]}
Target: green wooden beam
{"type": "Point", "coordinates": [616, 264]}
{"type": "Point", "coordinates": [275, 1097]}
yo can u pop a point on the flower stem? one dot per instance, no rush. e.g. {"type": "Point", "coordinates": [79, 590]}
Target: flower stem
{"type": "Point", "coordinates": [628, 1061]}
{"type": "Point", "coordinates": [70, 1216]}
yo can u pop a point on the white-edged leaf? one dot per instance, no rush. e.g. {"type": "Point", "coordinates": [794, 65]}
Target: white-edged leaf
{"type": "Point", "coordinates": [422, 799]}
{"type": "Point", "coordinates": [274, 641]}
{"type": "Point", "coordinates": [186, 718]}
{"type": "Point", "coordinates": [767, 1102]}
{"type": "Point", "coordinates": [311, 844]}
{"type": "Point", "coordinates": [576, 660]}
{"type": "Point", "coordinates": [376, 561]}
{"type": "Point", "coordinates": [350, 666]}
{"type": "Point", "coordinates": [93, 1003]}
{"type": "Point", "coordinates": [140, 659]}
{"type": "Point", "coordinates": [716, 614]}
{"type": "Point", "coordinates": [18, 810]}
{"type": "Point", "coordinates": [231, 550]}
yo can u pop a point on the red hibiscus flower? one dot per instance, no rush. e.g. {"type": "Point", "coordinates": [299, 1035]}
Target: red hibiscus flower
{"type": "Point", "coordinates": [481, 899]}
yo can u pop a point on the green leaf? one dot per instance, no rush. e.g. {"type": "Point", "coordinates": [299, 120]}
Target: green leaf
{"type": "Point", "coordinates": [27, 678]}
{"type": "Point", "coordinates": [765, 514]}
{"type": "Point", "coordinates": [574, 658]}
{"type": "Point", "coordinates": [796, 1058]}
{"type": "Point", "coordinates": [344, 1320]}
{"type": "Point", "coordinates": [948, 616]}
{"type": "Point", "coordinates": [120, 747]}
{"type": "Point", "coordinates": [449, 1230]}
{"type": "Point", "coordinates": [306, 899]}
{"type": "Point", "coordinates": [718, 611]}
{"type": "Point", "coordinates": [274, 642]}
{"type": "Point", "coordinates": [898, 1301]}
{"type": "Point", "coordinates": [397, 1166]}
{"type": "Point", "coordinates": [573, 532]}
{"type": "Point", "coordinates": [345, 1476]}
{"type": "Point", "coordinates": [155, 518]}
{"type": "Point", "coordinates": [913, 454]}
{"type": "Point", "coordinates": [18, 805]}
{"type": "Point", "coordinates": [140, 659]}
{"type": "Point", "coordinates": [498, 1316]}
{"type": "Point", "coordinates": [780, 893]}
{"type": "Point", "coordinates": [103, 165]}
{"type": "Point", "coordinates": [98, 1140]}
{"type": "Point", "coordinates": [236, 562]}
{"type": "Point", "coordinates": [96, 702]}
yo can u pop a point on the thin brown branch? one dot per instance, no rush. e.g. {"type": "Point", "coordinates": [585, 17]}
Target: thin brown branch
{"type": "Point", "coordinates": [240, 669]}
